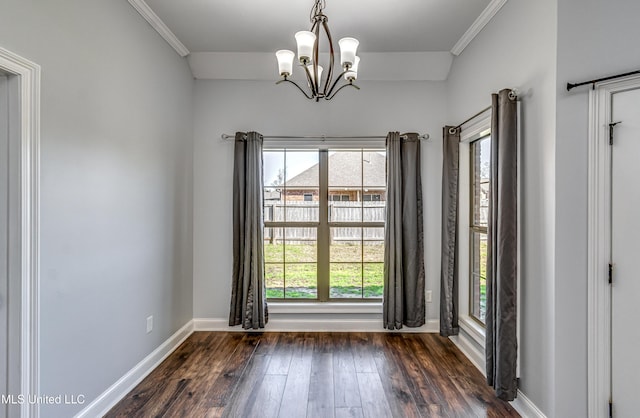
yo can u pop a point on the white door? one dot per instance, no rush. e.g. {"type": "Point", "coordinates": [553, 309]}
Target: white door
{"type": "Point", "coordinates": [625, 255]}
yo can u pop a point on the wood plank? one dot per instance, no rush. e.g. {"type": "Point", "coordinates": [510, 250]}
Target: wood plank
{"type": "Point", "coordinates": [268, 396]}
{"type": "Point", "coordinates": [155, 383]}
{"type": "Point", "coordinates": [224, 383]}
{"type": "Point", "coordinates": [171, 393]}
{"type": "Point", "coordinates": [362, 352]}
{"type": "Point", "coordinates": [281, 355]}
{"type": "Point", "coordinates": [394, 382]}
{"type": "Point", "coordinates": [243, 400]}
{"type": "Point", "coordinates": [296, 391]}
{"type": "Point", "coordinates": [437, 367]}
{"type": "Point", "coordinates": [345, 380]}
{"type": "Point", "coordinates": [321, 393]}
{"type": "Point", "coordinates": [349, 413]}
{"type": "Point", "coordinates": [374, 400]}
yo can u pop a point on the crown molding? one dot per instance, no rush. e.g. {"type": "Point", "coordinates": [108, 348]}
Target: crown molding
{"type": "Point", "coordinates": [485, 17]}
{"type": "Point", "coordinates": [154, 20]}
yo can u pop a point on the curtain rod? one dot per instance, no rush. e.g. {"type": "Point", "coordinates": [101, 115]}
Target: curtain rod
{"type": "Point", "coordinates": [513, 94]}
{"type": "Point", "coordinates": [454, 129]}
{"type": "Point", "coordinates": [323, 137]}
{"type": "Point", "coordinates": [597, 80]}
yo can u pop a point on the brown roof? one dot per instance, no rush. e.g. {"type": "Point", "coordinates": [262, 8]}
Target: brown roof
{"type": "Point", "coordinates": [346, 170]}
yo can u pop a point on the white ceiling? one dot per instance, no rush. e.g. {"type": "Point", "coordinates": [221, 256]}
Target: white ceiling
{"type": "Point", "coordinates": [265, 26]}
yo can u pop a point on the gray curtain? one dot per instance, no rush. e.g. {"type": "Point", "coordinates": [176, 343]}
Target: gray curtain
{"type": "Point", "coordinates": [248, 293]}
{"type": "Point", "coordinates": [501, 320]}
{"type": "Point", "coordinates": [450, 197]}
{"type": "Point", "coordinates": [403, 302]}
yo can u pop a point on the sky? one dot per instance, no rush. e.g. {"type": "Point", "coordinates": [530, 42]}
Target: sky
{"type": "Point", "coordinates": [297, 162]}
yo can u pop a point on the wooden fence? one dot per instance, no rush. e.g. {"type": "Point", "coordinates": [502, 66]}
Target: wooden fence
{"type": "Point", "coordinates": [338, 212]}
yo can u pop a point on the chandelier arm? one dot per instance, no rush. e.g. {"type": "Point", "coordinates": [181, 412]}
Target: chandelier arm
{"type": "Point", "coordinates": [335, 83]}
{"type": "Point", "coordinates": [295, 84]}
{"type": "Point", "coordinates": [314, 92]}
{"type": "Point", "coordinates": [316, 57]}
{"type": "Point", "coordinates": [341, 87]}
{"type": "Point", "coordinates": [331, 58]}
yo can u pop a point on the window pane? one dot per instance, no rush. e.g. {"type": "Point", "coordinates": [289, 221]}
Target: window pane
{"type": "Point", "coordinates": [345, 169]}
{"type": "Point", "coordinates": [300, 208]}
{"type": "Point", "coordinates": [478, 275]}
{"type": "Point", "coordinates": [273, 205]}
{"type": "Point", "coordinates": [373, 279]}
{"type": "Point", "coordinates": [301, 281]}
{"type": "Point", "coordinates": [345, 280]}
{"type": "Point", "coordinates": [346, 245]}
{"type": "Point", "coordinates": [373, 248]}
{"type": "Point", "coordinates": [273, 169]}
{"type": "Point", "coordinates": [480, 181]}
{"type": "Point", "coordinates": [345, 205]}
{"type": "Point", "coordinates": [374, 169]}
{"type": "Point", "coordinates": [273, 245]}
{"type": "Point", "coordinates": [274, 279]}
{"type": "Point", "coordinates": [374, 210]}
{"type": "Point", "coordinates": [301, 245]}
{"type": "Point", "coordinates": [302, 170]}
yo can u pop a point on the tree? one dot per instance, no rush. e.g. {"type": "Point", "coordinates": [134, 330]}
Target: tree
{"type": "Point", "coordinates": [279, 181]}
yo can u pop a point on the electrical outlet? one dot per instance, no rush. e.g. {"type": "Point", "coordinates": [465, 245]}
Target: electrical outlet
{"type": "Point", "coordinates": [149, 324]}
{"type": "Point", "coordinates": [429, 296]}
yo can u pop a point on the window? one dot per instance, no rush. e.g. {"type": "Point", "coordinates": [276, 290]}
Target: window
{"type": "Point", "coordinates": [480, 151]}
{"type": "Point", "coordinates": [324, 238]}
{"type": "Point", "coordinates": [336, 197]}
{"type": "Point", "coordinates": [371, 197]}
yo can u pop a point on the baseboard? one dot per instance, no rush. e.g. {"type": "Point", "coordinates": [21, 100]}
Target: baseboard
{"type": "Point", "coordinates": [526, 408]}
{"type": "Point", "coordinates": [522, 404]}
{"type": "Point", "coordinates": [104, 402]}
{"type": "Point", "coordinates": [470, 350]}
{"type": "Point", "coordinates": [318, 325]}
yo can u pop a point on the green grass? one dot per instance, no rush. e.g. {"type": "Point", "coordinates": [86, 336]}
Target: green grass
{"type": "Point", "coordinates": [349, 277]}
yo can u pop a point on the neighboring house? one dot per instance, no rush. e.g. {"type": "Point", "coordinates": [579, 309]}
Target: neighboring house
{"type": "Point", "coordinates": [353, 177]}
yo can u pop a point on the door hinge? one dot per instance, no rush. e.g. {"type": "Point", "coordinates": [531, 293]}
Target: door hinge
{"type": "Point", "coordinates": [611, 126]}
{"type": "Point", "coordinates": [610, 273]}
{"type": "Point", "coordinates": [610, 409]}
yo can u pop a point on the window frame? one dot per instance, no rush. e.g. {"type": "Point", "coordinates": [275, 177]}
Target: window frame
{"type": "Point", "coordinates": [473, 227]}
{"type": "Point", "coordinates": [323, 227]}
{"type": "Point", "coordinates": [478, 128]}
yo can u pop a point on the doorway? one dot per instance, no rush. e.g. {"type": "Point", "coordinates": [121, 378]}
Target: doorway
{"type": "Point", "coordinates": [19, 234]}
{"type": "Point", "coordinates": [614, 229]}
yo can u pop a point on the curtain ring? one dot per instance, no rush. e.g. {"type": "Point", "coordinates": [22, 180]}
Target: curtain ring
{"type": "Point", "coordinates": [513, 94]}
{"type": "Point", "coordinates": [452, 131]}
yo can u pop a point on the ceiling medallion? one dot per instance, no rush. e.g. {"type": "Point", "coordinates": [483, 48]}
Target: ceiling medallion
{"type": "Point", "coordinates": [308, 45]}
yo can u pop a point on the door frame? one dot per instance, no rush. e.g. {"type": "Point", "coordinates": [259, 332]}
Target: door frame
{"type": "Point", "coordinates": [29, 76]}
{"type": "Point", "coordinates": [599, 243]}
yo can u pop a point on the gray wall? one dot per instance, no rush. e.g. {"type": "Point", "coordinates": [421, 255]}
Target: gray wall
{"type": "Point", "coordinates": [517, 50]}
{"type": "Point", "coordinates": [116, 188]}
{"type": "Point", "coordinates": [229, 106]}
{"type": "Point", "coordinates": [595, 38]}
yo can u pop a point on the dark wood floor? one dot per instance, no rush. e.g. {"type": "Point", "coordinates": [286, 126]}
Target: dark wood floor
{"type": "Point", "coordinates": [233, 374]}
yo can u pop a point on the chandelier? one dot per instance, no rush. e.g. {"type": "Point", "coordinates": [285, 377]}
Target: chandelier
{"type": "Point", "coordinates": [308, 45]}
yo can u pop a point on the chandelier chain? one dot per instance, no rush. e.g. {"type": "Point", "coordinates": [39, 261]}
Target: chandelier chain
{"type": "Point", "coordinates": [317, 8]}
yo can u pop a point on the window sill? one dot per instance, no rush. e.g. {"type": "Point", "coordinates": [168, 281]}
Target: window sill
{"type": "Point", "coordinates": [474, 330]}
{"type": "Point", "coordinates": [324, 307]}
